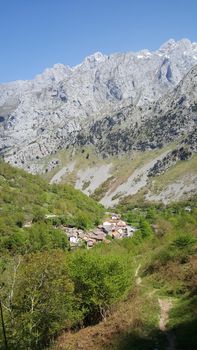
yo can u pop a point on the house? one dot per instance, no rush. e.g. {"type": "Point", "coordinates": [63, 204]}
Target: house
{"type": "Point", "coordinates": [81, 235]}
{"type": "Point", "coordinates": [121, 223]}
{"type": "Point", "coordinates": [116, 235]}
{"type": "Point", "coordinates": [115, 216]}
{"type": "Point", "coordinates": [130, 230]}
{"type": "Point", "coordinates": [90, 243]}
{"type": "Point", "coordinates": [97, 238]}
{"type": "Point", "coordinates": [188, 209]}
{"type": "Point", "coordinates": [73, 239]}
{"type": "Point", "coordinates": [98, 231]}
{"type": "Point", "coordinates": [107, 223]}
{"type": "Point", "coordinates": [120, 231]}
{"type": "Point", "coordinates": [108, 226]}
{"type": "Point", "coordinates": [100, 237]}
{"type": "Point", "coordinates": [91, 235]}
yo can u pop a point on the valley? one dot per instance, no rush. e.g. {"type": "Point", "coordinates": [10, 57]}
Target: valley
{"type": "Point", "coordinates": [98, 207]}
{"type": "Point", "coordinates": [160, 310]}
{"type": "Point", "coordinates": [138, 291]}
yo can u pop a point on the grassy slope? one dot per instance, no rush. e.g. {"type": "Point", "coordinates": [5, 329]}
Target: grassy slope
{"type": "Point", "coordinates": [177, 172]}
{"type": "Point", "coordinates": [181, 170]}
{"type": "Point", "coordinates": [24, 197]}
{"type": "Point", "coordinates": [167, 270]}
{"type": "Point", "coordinates": [121, 169]}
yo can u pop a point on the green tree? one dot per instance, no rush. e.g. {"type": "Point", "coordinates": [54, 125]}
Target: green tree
{"type": "Point", "coordinates": [100, 281]}
{"type": "Point", "coordinates": [145, 228]}
{"type": "Point", "coordinates": [43, 301]}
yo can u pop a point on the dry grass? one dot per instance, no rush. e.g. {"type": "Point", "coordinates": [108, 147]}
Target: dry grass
{"type": "Point", "coordinates": [122, 167]}
{"type": "Point", "coordinates": [134, 318]}
{"type": "Point", "coordinates": [176, 172]}
{"type": "Point", "coordinates": [104, 334]}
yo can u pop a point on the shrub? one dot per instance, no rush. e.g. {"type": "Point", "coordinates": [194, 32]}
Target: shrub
{"type": "Point", "coordinates": [42, 303]}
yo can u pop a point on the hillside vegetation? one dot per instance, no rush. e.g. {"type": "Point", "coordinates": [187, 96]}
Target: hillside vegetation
{"type": "Point", "coordinates": [45, 288]}
{"type": "Point", "coordinates": [159, 311]}
{"type": "Point", "coordinates": [138, 293]}
{"type": "Point", "coordinates": [25, 198]}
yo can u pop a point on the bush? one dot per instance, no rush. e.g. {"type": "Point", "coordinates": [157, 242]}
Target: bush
{"type": "Point", "coordinates": [184, 241]}
{"type": "Point", "coordinates": [42, 303]}
{"type": "Point", "coordinates": [100, 281]}
{"type": "Point", "coordinates": [145, 228]}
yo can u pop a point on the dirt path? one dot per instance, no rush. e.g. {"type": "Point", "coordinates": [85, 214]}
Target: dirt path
{"type": "Point", "coordinates": [165, 306]}
{"type": "Point", "coordinates": [138, 279]}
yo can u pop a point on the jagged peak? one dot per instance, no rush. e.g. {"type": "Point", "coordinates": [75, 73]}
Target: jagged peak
{"type": "Point", "coordinates": [96, 56]}
{"type": "Point", "coordinates": [91, 59]}
{"type": "Point", "coordinates": [143, 53]}
{"type": "Point", "coordinates": [172, 44]}
{"type": "Point", "coordinates": [169, 44]}
{"type": "Point", "coordinates": [60, 66]}
{"type": "Point", "coordinates": [57, 72]}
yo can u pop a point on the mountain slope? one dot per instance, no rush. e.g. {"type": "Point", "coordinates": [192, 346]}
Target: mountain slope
{"type": "Point", "coordinates": [28, 207]}
{"type": "Point", "coordinates": [110, 125]}
{"type": "Point", "coordinates": [142, 128]}
{"type": "Point", "coordinates": [41, 116]}
{"type": "Point", "coordinates": [137, 154]}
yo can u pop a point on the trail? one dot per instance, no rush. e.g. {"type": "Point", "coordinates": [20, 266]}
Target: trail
{"type": "Point", "coordinates": [165, 306]}
{"type": "Point", "coordinates": [138, 279]}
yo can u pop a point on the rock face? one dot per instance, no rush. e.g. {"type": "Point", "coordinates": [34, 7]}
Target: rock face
{"type": "Point", "coordinates": [41, 116]}
{"type": "Point", "coordinates": [143, 128]}
{"type": "Point", "coordinates": [169, 160]}
{"type": "Point", "coordinates": [117, 104]}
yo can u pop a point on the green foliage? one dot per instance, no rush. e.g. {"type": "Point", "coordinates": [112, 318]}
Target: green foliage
{"type": "Point", "coordinates": [151, 214]}
{"type": "Point", "coordinates": [43, 236]}
{"type": "Point", "coordinates": [100, 281]}
{"type": "Point", "coordinates": [38, 294]}
{"type": "Point", "coordinates": [46, 289]}
{"type": "Point", "coordinates": [184, 241]}
{"type": "Point", "coordinates": [46, 292]}
{"type": "Point", "coordinates": [145, 228]}
{"type": "Point", "coordinates": [27, 198]}
{"type": "Point", "coordinates": [42, 301]}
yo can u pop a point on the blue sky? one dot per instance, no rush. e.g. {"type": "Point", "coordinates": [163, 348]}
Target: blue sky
{"type": "Point", "coordinates": [35, 34]}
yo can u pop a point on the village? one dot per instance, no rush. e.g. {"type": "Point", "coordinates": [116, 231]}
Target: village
{"type": "Point", "coordinates": [113, 228]}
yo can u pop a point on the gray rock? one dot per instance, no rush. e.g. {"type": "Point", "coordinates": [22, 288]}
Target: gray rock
{"type": "Point", "coordinates": [112, 96]}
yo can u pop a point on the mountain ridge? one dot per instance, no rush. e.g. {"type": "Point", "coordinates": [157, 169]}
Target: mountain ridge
{"type": "Point", "coordinates": [118, 104]}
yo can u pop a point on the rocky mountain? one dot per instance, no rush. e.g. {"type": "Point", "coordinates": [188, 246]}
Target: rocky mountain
{"type": "Point", "coordinates": [143, 128]}
{"type": "Point", "coordinates": [110, 106]}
